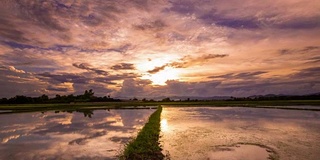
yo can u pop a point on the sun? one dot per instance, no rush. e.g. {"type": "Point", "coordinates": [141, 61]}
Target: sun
{"type": "Point", "coordinates": [163, 76]}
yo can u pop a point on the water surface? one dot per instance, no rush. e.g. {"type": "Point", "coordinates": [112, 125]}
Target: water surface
{"type": "Point", "coordinates": [98, 134]}
{"type": "Point", "coordinates": [197, 132]}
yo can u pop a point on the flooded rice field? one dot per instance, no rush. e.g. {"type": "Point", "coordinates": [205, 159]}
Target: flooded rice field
{"type": "Point", "coordinates": [238, 133]}
{"type": "Point", "coordinates": [88, 134]}
{"type": "Point", "coordinates": [209, 133]}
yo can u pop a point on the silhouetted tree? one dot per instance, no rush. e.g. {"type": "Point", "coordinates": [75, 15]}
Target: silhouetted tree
{"type": "Point", "coordinates": [151, 100]}
{"type": "Point", "coordinates": [3, 101]}
{"type": "Point", "coordinates": [166, 99]}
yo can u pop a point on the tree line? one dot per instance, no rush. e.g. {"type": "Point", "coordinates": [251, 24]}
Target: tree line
{"type": "Point", "coordinates": [87, 96]}
{"type": "Point", "coordinates": [278, 97]}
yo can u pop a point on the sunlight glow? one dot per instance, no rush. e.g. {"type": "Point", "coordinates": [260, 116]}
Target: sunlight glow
{"type": "Point", "coordinates": [164, 125]}
{"type": "Point", "coordinates": [163, 76]}
{"type": "Point", "coordinates": [156, 62]}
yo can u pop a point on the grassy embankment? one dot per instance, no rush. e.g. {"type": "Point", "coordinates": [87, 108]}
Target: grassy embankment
{"type": "Point", "coordinates": [146, 145]}
{"type": "Point", "coordinates": [279, 104]}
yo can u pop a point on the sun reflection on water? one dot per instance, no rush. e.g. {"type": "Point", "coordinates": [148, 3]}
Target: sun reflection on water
{"type": "Point", "coordinates": [164, 125]}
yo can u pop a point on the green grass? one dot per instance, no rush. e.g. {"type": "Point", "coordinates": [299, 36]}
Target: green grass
{"type": "Point", "coordinates": [146, 145]}
{"type": "Point", "coordinates": [115, 105]}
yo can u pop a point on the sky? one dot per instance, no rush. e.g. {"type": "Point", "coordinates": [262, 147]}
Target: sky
{"type": "Point", "coordinates": [150, 48]}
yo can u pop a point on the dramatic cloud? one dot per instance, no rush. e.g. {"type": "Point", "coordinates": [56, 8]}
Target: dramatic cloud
{"type": "Point", "coordinates": [244, 75]}
{"type": "Point", "coordinates": [88, 67]}
{"type": "Point", "coordinates": [18, 82]}
{"type": "Point", "coordinates": [123, 66]}
{"type": "Point", "coordinates": [188, 61]}
{"type": "Point", "coordinates": [153, 26]}
{"type": "Point", "coordinates": [313, 73]}
{"type": "Point", "coordinates": [66, 77]}
{"type": "Point", "coordinates": [308, 49]}
{"type": "Point", "coordinates": [159, 48]}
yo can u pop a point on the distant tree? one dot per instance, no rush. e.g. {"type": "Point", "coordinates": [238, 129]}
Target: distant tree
{"type": "Point", "coordinates": [166, 99]}
{"type": "Point", "coordinates": [58, 97]}
{"type": "Point", "coordinates": [44, 98]}
{"type": "Point", "coordinates": [19, 99]}
{"type": "Point", "coordinates": [88, 95]}
{"type": "Point", "coordinates": [70, 98]}
{"type": "Point", "coordinates": [3, 100]}
{"type": "Point", "coordinates": [151, 100]}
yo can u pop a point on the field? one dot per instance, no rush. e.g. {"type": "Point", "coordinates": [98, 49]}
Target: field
{"type": "Point", "coordinates": [229, 119]}
{"type": "Point", "coordinates": [146, 145]}
{"type": "Point", "coordinates": [281, 104]}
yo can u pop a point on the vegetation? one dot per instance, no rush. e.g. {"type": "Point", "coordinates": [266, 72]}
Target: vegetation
{"type": "Point", "coordinates": [272, 97]}
{"type": "Point", "coordinates": [88, 96]}
{"type": "Point", "coordinates": [146, 145]}
{"type": "Point", "coordinates": [280, 104]}
{"type": "Point", "coordinates": [89, 101]}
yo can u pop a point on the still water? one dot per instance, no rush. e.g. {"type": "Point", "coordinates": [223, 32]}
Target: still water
{"type": "Point", "coordinates": [89, 134]}
{"type": "Point", "coordinates": [235, 133]}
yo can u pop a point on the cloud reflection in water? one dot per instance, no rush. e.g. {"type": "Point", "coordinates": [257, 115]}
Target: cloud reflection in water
{"type": "Point", "coordinates": [99, 134]}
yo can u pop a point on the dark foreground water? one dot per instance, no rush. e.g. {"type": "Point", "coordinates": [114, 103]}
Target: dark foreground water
{"type": "Point", "coordinates": [225, 133]}
{"type": "Point", "coordinates": [98, 134]}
